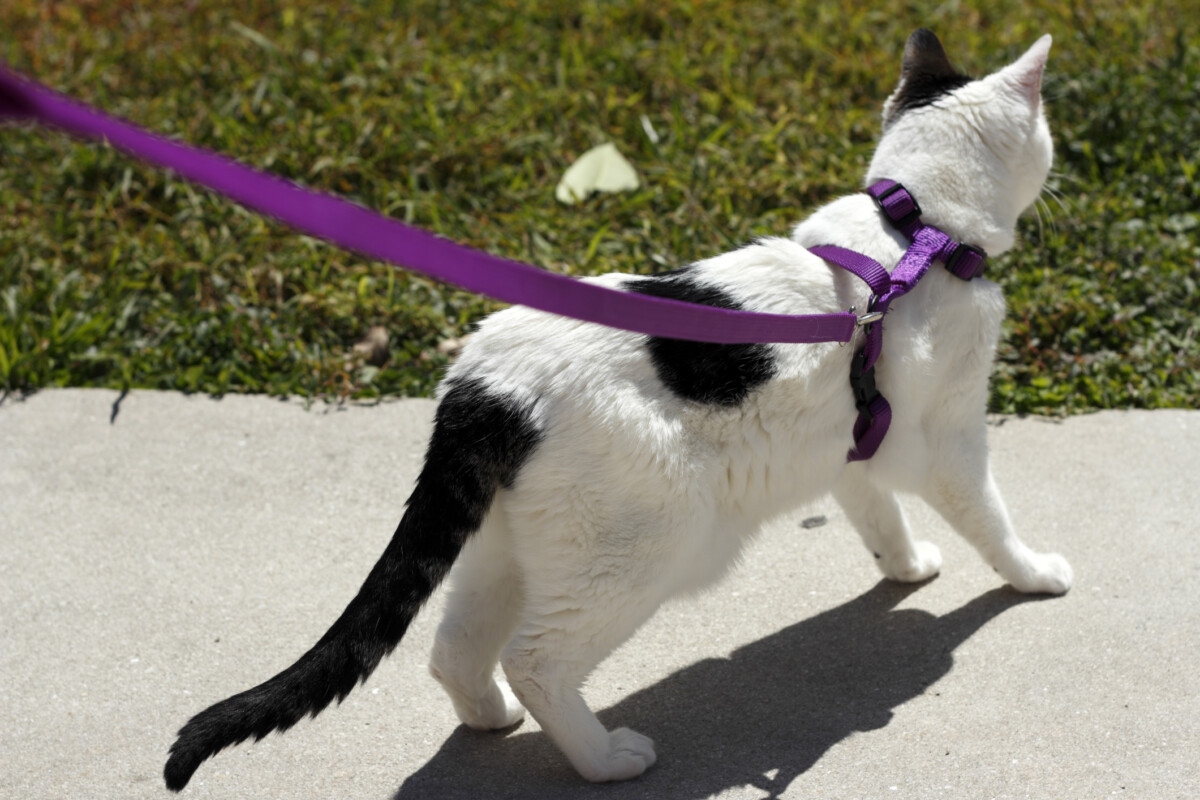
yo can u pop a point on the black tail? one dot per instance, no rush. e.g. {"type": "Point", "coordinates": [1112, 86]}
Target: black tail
{"type": "Point", "coordinates": [479, 442]}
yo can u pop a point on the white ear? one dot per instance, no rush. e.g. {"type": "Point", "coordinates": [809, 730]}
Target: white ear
{"type": "Point", "coordinates": [1024, 76]}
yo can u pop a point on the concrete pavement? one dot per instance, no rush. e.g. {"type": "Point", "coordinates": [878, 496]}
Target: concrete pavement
{"type": "Point", "coordinates": [156, 560]}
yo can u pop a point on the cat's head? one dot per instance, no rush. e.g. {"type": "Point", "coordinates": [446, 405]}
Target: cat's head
{"type": "Point", "coordinates": [975, 153]}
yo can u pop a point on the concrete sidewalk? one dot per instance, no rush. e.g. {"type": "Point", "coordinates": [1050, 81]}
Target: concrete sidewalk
{"type": "Point", "coordinates": [156, 561]}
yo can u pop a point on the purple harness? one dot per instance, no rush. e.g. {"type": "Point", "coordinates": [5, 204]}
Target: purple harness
{"type": "Point", "coordinates": [927, 245]}
{"type": "Point", "coordinates": [356, 228]}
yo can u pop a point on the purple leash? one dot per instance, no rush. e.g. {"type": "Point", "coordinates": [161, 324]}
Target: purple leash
{"type": "Point", "coordinates": [927, 245]}
{"type": "Point", "coordinates": [360, 229]}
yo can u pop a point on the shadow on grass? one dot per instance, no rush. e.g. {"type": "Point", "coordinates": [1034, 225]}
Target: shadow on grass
{"type": "Point", "coordinates": [777, 704]}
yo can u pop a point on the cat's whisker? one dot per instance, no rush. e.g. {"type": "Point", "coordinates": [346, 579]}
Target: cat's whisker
{"type": "Point", "coordinates": [1056, 176]}
{"type": "Point", "coordinates": [1051, 222]}
{"type": "Point", "coordinates": [1037, 210]}
{"type": "Point", "coordinates": [1064, 203]}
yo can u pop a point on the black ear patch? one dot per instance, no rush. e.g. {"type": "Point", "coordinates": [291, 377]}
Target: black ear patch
{"type": "Point", "coordinates": [716, 374]}
{"type": "Point", "coordinates": [925, 75]}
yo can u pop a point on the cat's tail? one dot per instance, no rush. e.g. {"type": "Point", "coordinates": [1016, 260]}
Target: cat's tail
{"type": "Point", "coordinates": [479, 442]}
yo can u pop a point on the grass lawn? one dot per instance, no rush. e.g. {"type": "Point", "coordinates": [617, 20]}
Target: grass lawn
{"type": "Point", "coordinates": [460, 117]}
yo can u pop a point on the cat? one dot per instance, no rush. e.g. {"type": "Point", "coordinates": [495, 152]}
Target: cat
{"type": "Point", "coordinates": [577, 477]}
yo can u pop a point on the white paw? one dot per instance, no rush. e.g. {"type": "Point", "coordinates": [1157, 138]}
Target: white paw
{"type": "Point", "coordinates": [925, 561]}
{"type": "Point", "coordinates": [514, 712]}
{"type": "Point", "coordinates": [629, 755]}
{"type": "Point", "coordinates": [1042, 573]}
{"type": "Point", "coordinates": [497, 709]}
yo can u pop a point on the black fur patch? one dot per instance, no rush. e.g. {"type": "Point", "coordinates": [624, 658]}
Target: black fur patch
{"type": "Point", "coordinates": [717, 374]}
{"type": "Point", "coordinates": [926, 75]}
{"type": "Point", "coordinates": [480, 440]}
{"type": "Point", "coordinates": [925, 90]}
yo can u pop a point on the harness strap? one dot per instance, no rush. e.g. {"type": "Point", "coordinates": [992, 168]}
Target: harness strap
{"type": "Point", "coordinates": [928, 244]}
{"type": "Point", "coordinates": [904, 213]}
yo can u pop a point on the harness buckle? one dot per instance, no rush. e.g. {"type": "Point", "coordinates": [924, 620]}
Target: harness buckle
{"type": "Point", "coordinates": [862, 382]}
{"type": "Point", "coordinates": [906, 220]}
{"type": "Point", "coordinates": [967, 261]}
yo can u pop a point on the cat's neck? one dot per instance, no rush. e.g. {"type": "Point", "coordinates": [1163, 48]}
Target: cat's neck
{"type": "Point", "coordinates": [956, 203]}
{"type": "Point", "coordinates": [854, 221]}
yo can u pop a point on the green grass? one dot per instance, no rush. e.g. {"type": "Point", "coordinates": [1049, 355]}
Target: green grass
{"type": "Point", "coordinates": [460, 117]}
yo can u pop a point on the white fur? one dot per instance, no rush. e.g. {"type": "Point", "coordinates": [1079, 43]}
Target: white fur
{"type": "Point", "coordinates": [634, 496]}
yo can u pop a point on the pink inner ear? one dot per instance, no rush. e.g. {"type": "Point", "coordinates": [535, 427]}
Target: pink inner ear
{"type": "Point", "coordinates": [1025, 74]}
{"type": "Point", "coordinates": [1031, 83]}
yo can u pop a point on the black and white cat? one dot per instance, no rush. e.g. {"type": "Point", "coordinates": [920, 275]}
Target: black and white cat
{"type": "Point", "coordinates": [577, 477]}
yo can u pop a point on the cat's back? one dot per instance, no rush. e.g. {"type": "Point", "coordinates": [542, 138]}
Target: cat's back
{"type": "Point", "coordinates": [540, 355]}
{"type": "Point", "coordinates": [543, 357]}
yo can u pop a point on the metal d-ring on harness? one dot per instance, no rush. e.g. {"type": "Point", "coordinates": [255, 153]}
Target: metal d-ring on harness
{"type": "Point", "coordinates": [927, 244]}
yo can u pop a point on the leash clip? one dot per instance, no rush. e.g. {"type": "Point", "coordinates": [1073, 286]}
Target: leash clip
{"type": "Point", "coordinates": [872, 316]}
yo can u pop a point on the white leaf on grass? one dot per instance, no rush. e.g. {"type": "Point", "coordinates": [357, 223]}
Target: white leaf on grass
{"type": "Point", "coordinates": [601, 169]}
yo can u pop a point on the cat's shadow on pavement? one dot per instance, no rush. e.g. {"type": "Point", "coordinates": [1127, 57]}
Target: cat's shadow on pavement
{"type": "Point", "coordinates": [775, 706]}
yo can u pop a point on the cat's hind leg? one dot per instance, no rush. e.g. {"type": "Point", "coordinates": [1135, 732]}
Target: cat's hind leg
{"type": "Point", "coordinates": [482, 611]}
{"type": "Point", "coordinates": [561, 642]}
{"type": "Point", "coordinates": [879, 520]}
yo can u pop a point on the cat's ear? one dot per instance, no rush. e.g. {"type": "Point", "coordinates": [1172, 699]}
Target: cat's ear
{"type": "Point", "coordinates": [1024, 76]}
{"type": "Point", "coordinates": [925, 59]}
{"type": "Point", "coordinates": [926, 75]}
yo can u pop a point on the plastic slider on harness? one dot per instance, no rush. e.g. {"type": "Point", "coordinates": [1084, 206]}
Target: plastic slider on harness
{"type": "Point", "coordinates": [967, 262]}
{"type": "Point", "coordinates": [898, 205]}
{"type": "Point", "coordinates": [862, 381]}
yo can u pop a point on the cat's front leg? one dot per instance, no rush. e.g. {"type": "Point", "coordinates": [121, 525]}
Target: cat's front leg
{"type": "Point", "coordinates": [961, 489]}
{"type": "Point", "coordinates": [879, 520]}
